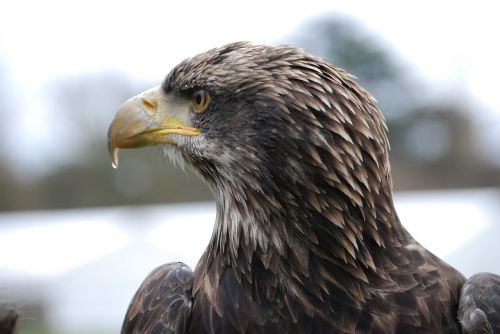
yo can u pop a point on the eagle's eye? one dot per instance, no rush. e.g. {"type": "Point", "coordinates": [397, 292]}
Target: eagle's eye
{"type": "Point", "coordinates": [200, 100]}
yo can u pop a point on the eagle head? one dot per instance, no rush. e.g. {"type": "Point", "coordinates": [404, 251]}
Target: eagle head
{"type": "Point", "coordinates": [278, 134]}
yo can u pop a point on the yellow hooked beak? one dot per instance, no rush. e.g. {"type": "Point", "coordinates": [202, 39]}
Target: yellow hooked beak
{"type": "Point", "coordinates": [148, 119]}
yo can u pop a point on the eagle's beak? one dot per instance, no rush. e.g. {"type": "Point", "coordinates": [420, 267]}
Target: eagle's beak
{"type": "Point", "coordinates": [146, 119]}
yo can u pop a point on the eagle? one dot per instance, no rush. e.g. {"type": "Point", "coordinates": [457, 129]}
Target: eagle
{"type": "Point", "coordinates": [306, 236]}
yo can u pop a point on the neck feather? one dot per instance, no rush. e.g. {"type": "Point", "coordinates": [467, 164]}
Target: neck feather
{"type": "Point", "coordinates": [253, 224]}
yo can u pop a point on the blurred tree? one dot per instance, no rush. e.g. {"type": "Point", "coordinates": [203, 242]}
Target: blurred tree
{"type": "Point", "coordinates": [5, 102]}
{"type": "Point", "coordinates": [433, 143]}
{"type": "Point", "coordinates": [9, 188]}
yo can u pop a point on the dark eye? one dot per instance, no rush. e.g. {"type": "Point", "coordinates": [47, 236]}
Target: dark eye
{"type": "Point", "coordinates": [200, 100]}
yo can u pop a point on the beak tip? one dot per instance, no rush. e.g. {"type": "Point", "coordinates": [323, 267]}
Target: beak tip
{"type": "Point", "coordinates": [112, 146]}
{"type": "Point", "coordinates": [114, 157]}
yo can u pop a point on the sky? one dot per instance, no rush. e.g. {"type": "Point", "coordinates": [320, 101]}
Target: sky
{"type": "Point", "coordinates": [451, 44]}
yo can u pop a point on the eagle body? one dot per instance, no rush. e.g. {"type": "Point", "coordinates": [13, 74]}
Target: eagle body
{"type": "Point", "coordinates": [306, 237]}
{"type": "Point", "coordinates": [8, 320]}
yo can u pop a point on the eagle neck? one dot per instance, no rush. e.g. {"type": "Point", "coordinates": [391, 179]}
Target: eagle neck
{"type": "Point", "coordinates": [247, 223]}
{"type": "Point", "coordinates": [299, 251]}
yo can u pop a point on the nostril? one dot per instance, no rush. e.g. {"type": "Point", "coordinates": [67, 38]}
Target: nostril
{"type": "Point", "coordinates": [149, 105]}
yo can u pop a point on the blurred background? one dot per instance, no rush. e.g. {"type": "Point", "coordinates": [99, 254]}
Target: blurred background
{"type": "Point", "coordinates": [77, 237]}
